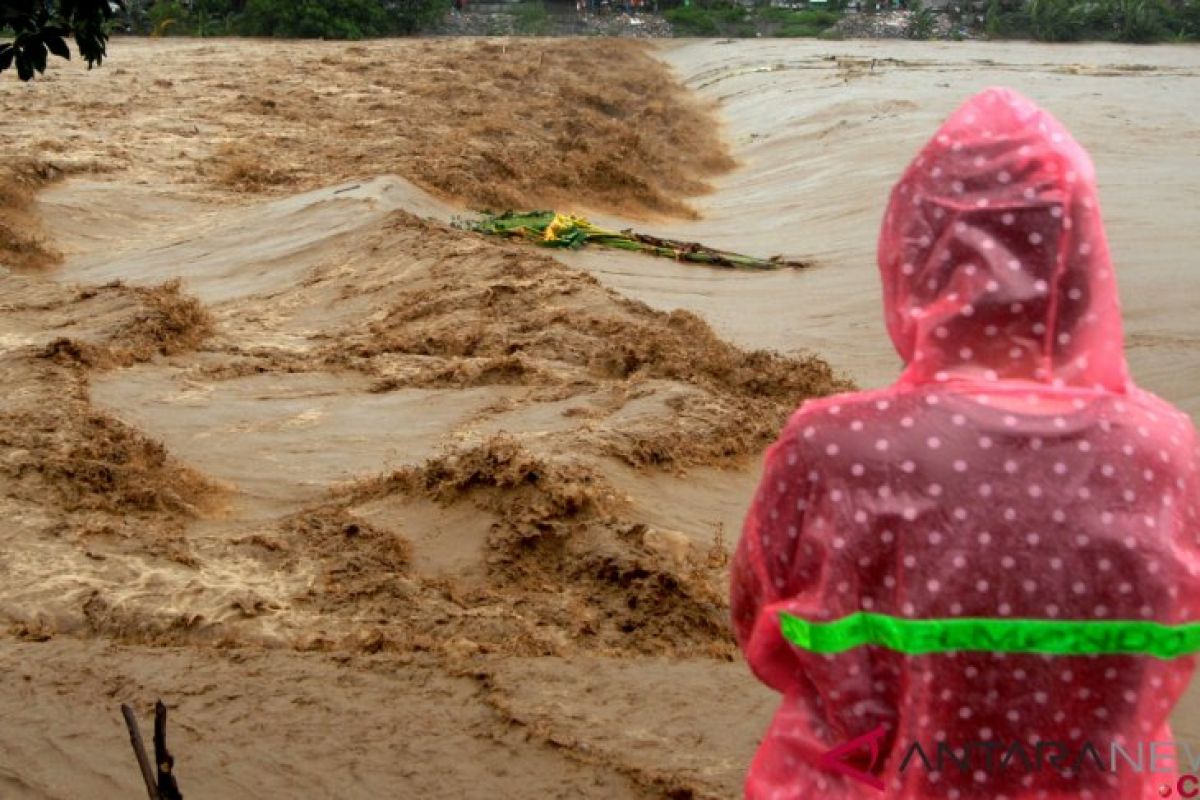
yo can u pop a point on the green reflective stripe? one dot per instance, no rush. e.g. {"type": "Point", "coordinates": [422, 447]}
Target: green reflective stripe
{"type": "Point", "coordinates": [1056, 637]}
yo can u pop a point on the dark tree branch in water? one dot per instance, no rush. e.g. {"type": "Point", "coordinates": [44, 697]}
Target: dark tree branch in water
{"type": "Point", "coordinates": [168, 789]}
{"type": "Point", "coordinates": [139, 750]}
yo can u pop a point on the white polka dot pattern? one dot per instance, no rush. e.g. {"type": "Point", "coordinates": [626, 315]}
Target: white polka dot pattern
{"type": "Point", "coordinates": [1013, 471]}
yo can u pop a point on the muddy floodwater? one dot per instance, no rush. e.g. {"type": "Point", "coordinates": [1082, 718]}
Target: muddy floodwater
{"type": "Point", "coordinates": [383, 508]}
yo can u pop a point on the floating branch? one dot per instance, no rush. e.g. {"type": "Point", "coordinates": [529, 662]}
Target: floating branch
{"type": "Point", "coordinates": [551, 229]}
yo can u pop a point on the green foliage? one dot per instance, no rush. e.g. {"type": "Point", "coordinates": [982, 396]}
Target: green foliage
{"type": "Point", "coordinates": [532, 19]}
{"type": "Point", "coordinates": [1186, 20]}
{"type": "Point", "coordinates": [410, 16]}
{"type": "Point", "coordinates": [167, 17]}
{"type": "Point", "coordinates": [1057, 20]}
{"type": "Point", "coordinates": [922, 23]}
{"type": "Point", "coordinates": [774, 14]}
{"type": "Point", "coordinates": [737, 20]}
{"type": "Point", "coordinates": [315, 19]}
{"type": "Point", "coordinates": [1137, 20]}
{"type": "Point", "coordinates": [180, 17]}
{"type": "Point", "coordinates": [807, 23]}
{"type": "Point", "coordinates": [797, 31]}
{"type": "Point", "coordinates": [831, 34]}
{"type": "Point", "coordinates": [325, 19]}
{"type": "Point", "coordinates": [40, 29]}
{"type": "Point", "coordinates": [812, 17]}
{"type": "Point", "coordinates": [732, 14]}
{"type": "Point", "coordinates": [214, 17]}
{"type": "Point", "coordinates": [692, 21]}
{"type": "Point", "coordinates": [994, 23]}
{"type": "Point", "coordinates": [1076, 20]}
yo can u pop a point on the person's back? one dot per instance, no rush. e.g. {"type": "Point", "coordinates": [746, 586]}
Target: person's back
{"type": "Point", "coordinates": [1012, 478]}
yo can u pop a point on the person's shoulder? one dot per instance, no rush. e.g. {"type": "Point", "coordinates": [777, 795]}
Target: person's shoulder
{"type": "Point", "coordinates": [1149, 403]}
{"type": "Point", "coordinates": [1155, 425]}
{"type": "Point", "coordinates": [841, 408]}
{"type": "Point", "coordinates": [1145, 410]}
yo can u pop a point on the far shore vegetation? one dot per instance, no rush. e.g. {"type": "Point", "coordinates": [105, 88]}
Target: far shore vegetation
{"type": "Point", "coordinates": [1041, 20]}
{"type": "Point", "coordinates": [32, 29]}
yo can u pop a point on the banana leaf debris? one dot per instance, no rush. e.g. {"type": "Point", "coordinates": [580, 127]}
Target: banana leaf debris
{"type": "Point", "coordinates": [551, 229]}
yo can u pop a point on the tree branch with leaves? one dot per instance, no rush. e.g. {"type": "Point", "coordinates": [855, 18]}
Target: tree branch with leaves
{"type": "Point", "coordinates": [40, 28]}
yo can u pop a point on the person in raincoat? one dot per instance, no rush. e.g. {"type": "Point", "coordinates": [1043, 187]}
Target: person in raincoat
{"type": "Point", "coordinates": [998, 552]}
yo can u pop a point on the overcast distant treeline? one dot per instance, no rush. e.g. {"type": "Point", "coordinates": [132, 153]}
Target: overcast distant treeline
{"type": "Point", "coordinates": [304, 19]}
{"type": "Point", "coordinates": [1090, 20]}
{"type": "Point", "coordinates": [1043, 20]}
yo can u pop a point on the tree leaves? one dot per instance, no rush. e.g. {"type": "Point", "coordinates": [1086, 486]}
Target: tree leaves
{"type": "Point", "coordinates": [56, 44]}
{"type": "Point", "coordinates": [28, 51]}
{"type": "Point", "coordinates": [41, 28]}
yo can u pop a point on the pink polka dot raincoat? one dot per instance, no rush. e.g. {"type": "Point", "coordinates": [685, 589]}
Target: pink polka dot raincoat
{"type": "Point", "coordinates": [1013, 472]}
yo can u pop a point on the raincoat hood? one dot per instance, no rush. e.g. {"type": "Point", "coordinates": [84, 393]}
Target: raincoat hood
{"type": "Point", "coordinates": [993, 255]}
